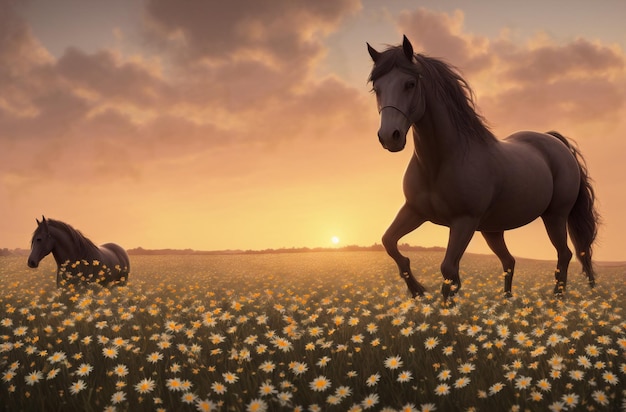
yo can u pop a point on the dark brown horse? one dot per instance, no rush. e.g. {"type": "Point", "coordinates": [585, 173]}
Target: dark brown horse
{"type": "Point", "coordinates": [78, 258]}
{"type": "Point", "coordinates": [462, 177]}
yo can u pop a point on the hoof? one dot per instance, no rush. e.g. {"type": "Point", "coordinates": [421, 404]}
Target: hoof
{"type": "Point", "coordinates": [559, 293]}
{"type": "Point", "coordinates": [449, 289]}
{"type": "Point", "coordinates": [417, 291]}
{"type": "Point", "coordinates": [417, 294]}
{"type": "Point", "coordinates": [508, 295]}
{"type": "Point", "coordinates": [414, 286]}
{"type": "Point", "coordinates": [559, 288]}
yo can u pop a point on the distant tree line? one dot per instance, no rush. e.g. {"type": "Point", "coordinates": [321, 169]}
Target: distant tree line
{"type": "Point", "coordinates": [14, 252]}
{"type": "Point", "coordinates": [376, 247]}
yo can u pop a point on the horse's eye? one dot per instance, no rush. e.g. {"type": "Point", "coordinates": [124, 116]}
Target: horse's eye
{"type": "Point", "coordinates": [38, 239]}
{"type": "Point", "coordinates": [409, 85]}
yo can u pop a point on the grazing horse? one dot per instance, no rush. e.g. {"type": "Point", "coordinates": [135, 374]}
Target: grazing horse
{"type": "Point", "coordinates": [77, 258]}
{"type": "Point", "coordinates": [462, 177]}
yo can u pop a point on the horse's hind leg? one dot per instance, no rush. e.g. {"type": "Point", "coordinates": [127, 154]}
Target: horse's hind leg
{"type": "Point", "coordinates": [556, 226]}
{"type": "Point", "coordinates": [406, 221]}
{"type": "Point", "coordinates": [495, 241]}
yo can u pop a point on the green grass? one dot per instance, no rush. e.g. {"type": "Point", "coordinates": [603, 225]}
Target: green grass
{"type": "Point", "coordinates": [316, 331]}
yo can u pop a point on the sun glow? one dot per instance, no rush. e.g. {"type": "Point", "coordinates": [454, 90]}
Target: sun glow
{"type": "Point", "coordinates": [335, 240]}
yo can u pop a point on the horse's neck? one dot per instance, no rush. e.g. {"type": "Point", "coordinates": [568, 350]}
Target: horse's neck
{"type": "Point", "coordinates": [62, 249]}
{"type": "Point", "coordinates": [435, 137]}
{"type": "Point", "coordinates": [65, 249]}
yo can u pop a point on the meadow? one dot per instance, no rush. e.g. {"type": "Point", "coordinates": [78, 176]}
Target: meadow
{"type": "Point", "coordinates": [331, 331]}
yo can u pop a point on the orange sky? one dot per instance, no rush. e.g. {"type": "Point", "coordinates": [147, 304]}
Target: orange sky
{"type": "Point", "coordinates": [250, 125]}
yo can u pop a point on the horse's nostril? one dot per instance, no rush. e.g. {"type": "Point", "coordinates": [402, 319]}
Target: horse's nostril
{"type": "Point", "coordinates": [396, 134]}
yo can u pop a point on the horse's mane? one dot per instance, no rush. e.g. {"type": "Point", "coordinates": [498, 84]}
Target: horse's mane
{"type": "Point", "coordinates": [450, 88]}
{"type": "Point", "coordinates": [83, 244]}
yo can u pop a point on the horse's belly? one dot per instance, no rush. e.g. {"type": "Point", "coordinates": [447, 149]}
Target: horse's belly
{"type": "Point", "coordinates": [496, 219]}
{"type": "Point", "coordinates": [502, 223]}
{"type": "Point", "coordinates": [518, 208]}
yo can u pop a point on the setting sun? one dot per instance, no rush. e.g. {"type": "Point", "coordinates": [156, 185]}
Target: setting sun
{"type": "Point", "coordinates": [335, 240]}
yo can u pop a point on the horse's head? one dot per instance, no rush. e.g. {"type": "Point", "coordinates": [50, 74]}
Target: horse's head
{"type": "Point", "coordinates": [41, 244]}
{"type": "Point", "coordinates": [399, 93]}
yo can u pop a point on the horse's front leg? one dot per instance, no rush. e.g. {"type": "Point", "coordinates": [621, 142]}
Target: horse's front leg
{"type": "Point", "coordinates": [461, 232]}
{"type": "Point", "coordinates": [405, 222]}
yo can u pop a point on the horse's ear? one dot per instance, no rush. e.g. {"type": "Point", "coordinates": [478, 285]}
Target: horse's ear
{"type": "Point", "coordinates": [407, 47]}
{"type": "Point", "coordinates": [373, 53]}
{"type": "Point", "coordinates": [44, 222]}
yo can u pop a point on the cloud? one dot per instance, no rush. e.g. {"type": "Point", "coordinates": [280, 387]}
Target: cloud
{"type": "Point", "coordinates": [21, 59]}
{"type": "Point", "coordinates": [217, 75]}
{"type": "Point", "coordinates": [542, 84]}
{"type": "Point", "coordinates": [282, 31]}
{"type": "Point", "coordinates": [563, 103]}
{"type": "Point", "coordinates": [19, 49]}
{"type": "Point", "coordinates": [242, 54]}
{"type": "Point", "coordinates": [105, 77]}
{"type": "Point", "coordinates": [551, 62]}
{"type": "Point", "coordinates": [442, 35]}
{"type": "Point", "coordinates": [569, 85]}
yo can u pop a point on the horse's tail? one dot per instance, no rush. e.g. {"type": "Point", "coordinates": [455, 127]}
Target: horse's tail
{"type": "Point", "coordinates": [583, 219]}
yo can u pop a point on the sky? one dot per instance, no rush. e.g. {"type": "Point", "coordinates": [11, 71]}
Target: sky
{"type": "Point", "coordinates": [218, 125]}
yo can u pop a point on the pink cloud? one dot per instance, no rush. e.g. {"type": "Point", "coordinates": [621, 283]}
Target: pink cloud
{"type": "Point", "coordinates": [442, 35]}
{"type": "Point", "coordinates": [19, 49]}
{"type": "Point", "coordinates": [552, 62]}
{"type": "Point", "coordinates": [538, 86]}
{"type": "Point", "coordinates": [103, 76]}
{"type": "Point", "coordinates": [566, 102]}
{"type": "Point", "coordinates": [285, 30]}
{"type": "Point", "coordinates": [88, 117]}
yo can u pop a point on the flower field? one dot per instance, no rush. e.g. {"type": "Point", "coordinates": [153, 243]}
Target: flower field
{"type": "Point", "coordinates": [332, 331]}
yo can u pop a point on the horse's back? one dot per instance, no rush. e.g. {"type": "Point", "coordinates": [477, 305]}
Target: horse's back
{"type": "Point", "coordinates": [555, 152]}
{"type": "Point", "coordinates": [117, 255]}
{"type": "Point", "coordinates": [545, 143]}
{"type": "Point", "coordinates": [564, 169]}
{"type": "Point", "coordinates": [533, 173]}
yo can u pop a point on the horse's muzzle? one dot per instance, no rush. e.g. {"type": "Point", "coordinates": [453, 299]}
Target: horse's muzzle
{"type": "Point", "coordinates": [394, 126]}
{"type": "Point", "coordinates": [395, 144]}
{"type": "Point", "coordinates": [32, 264]}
